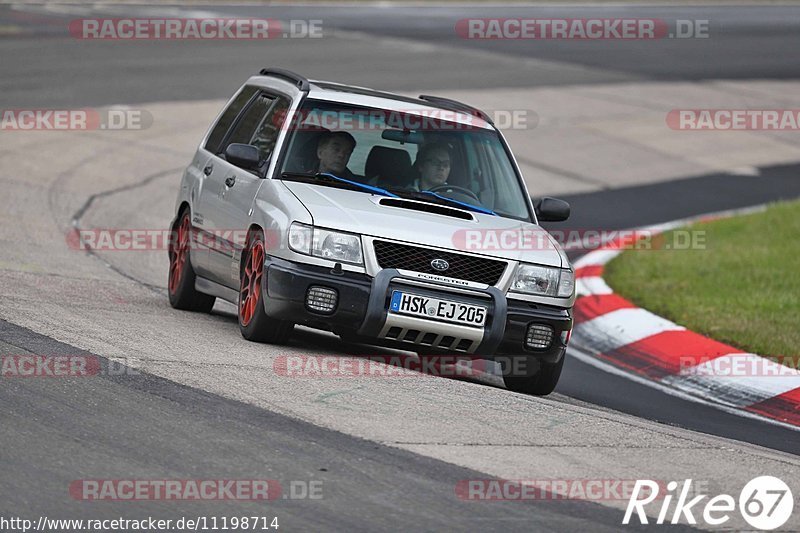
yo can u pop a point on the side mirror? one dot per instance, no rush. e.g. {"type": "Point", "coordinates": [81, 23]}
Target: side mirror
{"type": "Point", "coordinates": [244, 156]}
{"type": "Point", "coordinates": [551, 210]}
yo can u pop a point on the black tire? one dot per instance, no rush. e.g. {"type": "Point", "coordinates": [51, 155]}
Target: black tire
{"type": "Point", "coordinates": [181, 278]}
{"type": "Point", "coordinates": [540, 383]}
{"type": "Point", "coordinates": [254, 323]}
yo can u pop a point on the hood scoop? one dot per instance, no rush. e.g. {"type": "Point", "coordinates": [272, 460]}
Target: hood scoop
{"type": "Point", "coordinates": [427, 207]}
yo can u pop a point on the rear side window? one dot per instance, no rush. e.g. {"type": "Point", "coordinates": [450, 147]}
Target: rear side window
{"type": "Point", "coordinates": [246, 126]}
{"type": "Point", "coordinates": [227, 118]}
{"type": "Point", "coordinates": [260, 124]}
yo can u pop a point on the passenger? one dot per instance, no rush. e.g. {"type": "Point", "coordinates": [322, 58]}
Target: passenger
{"type": "Point", "coordinates": [433, 166]}
{"type": "Point", "coordinates": [333, 151]}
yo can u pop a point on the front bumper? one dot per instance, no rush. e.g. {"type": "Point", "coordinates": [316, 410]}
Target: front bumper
{"type": "Point", "coordinates": [363, 302]}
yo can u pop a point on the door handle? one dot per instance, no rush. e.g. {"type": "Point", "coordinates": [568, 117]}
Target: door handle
{"type": "Point", "coordinates": [208, 170]}
{"type": "Point", "coordinates": [230, 181]}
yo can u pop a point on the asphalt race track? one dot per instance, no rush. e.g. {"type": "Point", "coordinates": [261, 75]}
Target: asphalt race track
{"type": "Point", "coordinates": [191, 399]}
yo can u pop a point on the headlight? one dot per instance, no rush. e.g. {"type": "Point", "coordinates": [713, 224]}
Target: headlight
{"type": "Point", "coordinates": [327, 244]}
{"type": "Point", "coordinates": [337, 246]}
{"type": "Point", "coordinates": [546, 281]}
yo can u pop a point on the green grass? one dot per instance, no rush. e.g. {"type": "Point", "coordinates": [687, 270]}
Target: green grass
{"type": "Point", "coordinates": [743, 289]}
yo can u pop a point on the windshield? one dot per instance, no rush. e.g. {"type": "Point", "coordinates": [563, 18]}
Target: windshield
{"type": "Point", "coordinates": [426, 158]}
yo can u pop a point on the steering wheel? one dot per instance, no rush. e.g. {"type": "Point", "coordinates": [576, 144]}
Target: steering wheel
{"type": "Point", "coordinates": [455, 188]}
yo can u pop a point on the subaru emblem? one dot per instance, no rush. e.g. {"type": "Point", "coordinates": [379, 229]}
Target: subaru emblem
{"type": "Point", "coordinates": [440, 264]}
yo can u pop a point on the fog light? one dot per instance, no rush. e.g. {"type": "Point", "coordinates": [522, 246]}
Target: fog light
{"type": "Point", "coordinates": [321, 299]}
{"type": "Point", "coordinates": [539, 336]}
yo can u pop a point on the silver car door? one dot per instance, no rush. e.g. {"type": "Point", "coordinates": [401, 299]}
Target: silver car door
{"type": "Point", "coordinates": [211, 173]}
{"type": "Point", "coordinates": [259, 127]}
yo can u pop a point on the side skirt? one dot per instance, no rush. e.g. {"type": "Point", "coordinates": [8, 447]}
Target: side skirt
{"type": "Point", "coordinates": [215, 289]}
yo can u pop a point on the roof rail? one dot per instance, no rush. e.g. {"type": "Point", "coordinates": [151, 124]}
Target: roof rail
{"type": "Point", "coordinates": [455, 105]}
{"type": "Point", "coordinates": [297, 79]}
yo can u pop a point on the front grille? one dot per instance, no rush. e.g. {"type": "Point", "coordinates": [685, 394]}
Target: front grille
{"type": "Point", "coordinates": [466, 267]}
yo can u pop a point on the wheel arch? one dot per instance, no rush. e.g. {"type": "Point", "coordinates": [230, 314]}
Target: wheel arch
{"type": "Point", "coordinates": [250, 229]}
{"type": "Point", "coordinates": [184, 205]}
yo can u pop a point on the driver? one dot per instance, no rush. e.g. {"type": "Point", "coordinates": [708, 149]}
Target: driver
{"type": "Point", "coordinates": [333, 152]}
{"type": "Point", "coordinates": [433, 166]}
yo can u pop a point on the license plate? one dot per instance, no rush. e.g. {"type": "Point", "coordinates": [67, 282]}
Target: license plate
{"type": "Point", "coordinates": [434, 308]}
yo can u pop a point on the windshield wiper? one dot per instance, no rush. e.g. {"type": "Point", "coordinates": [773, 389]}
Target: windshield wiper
{"type": "Point", "coordinates": [330, 178]}
{"type": "Point", "coordinates": [427, 196]}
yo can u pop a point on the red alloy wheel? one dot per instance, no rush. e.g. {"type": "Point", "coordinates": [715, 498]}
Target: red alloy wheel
{"type": "Point", "coordinates": [250, 290]}
{"type": "Point", "coordinates": [180, 253]}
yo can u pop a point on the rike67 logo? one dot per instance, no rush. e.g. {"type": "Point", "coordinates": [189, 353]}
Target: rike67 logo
{"type": "Point", "coordinates": [765, 503]}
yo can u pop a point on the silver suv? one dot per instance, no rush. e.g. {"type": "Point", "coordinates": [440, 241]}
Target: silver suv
{"type": "Point", "coordinates": [389, 220]}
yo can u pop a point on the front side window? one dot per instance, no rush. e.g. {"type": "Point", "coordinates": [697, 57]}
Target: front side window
{"type": "Point", "coordinates": [406, 154]}
{"type": "Point", "coordinates": [266, 134]}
